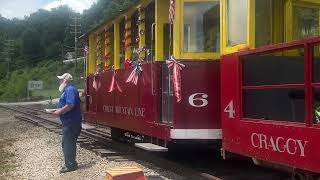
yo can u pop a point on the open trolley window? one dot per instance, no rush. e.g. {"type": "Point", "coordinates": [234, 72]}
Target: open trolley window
{"type": "Point", "coordinates": [282, 85]}
{"type": "Point", "coordinates": [273, 86]}
{"type": "Point", "coordinates": [197, 29]}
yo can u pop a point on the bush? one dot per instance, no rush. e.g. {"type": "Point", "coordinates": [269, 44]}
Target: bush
{"type": "Point", "coordinates": [15, 89]}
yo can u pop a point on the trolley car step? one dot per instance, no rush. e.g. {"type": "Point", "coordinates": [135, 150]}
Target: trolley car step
{"type": "Point", "coordinates": [151, 147]}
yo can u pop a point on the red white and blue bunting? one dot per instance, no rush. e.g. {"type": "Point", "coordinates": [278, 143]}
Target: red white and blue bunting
{"type": "Point", "coordinates": [136, 72]}
{"type": "Point", "coordinates": [176, 67]}
{"type": "Point", "coordinates": [114, 83]}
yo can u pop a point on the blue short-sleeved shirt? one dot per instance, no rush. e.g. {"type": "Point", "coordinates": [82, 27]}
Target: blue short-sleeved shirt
{"type": "Point", "coordinates": [70, 96]}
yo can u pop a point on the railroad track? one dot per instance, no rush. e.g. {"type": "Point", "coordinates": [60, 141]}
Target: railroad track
{"type": "Point", "coordinates": [191, 164]}
{"type": "Point", "coordinates": [100, 142]}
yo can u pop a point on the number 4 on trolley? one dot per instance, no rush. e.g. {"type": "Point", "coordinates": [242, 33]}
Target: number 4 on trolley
{"type": "Point", "coordinates": [230, 109]}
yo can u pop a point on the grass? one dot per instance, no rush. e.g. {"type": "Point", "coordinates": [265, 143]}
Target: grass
{"type": "Point", "coordinates": [6, 158]}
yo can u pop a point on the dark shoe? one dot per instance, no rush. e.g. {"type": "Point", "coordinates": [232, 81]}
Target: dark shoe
{"type": "Point", "coordinates": [65, 169]}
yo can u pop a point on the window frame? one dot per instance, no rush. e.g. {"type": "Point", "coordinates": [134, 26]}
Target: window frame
{"type": "Point", "coordinates": [305, 86]}
{"type": "Point", "coordinates": [289, 15]}
{"type": "Point", "coordinates": [178, 41]}
{"type": "Point", "coordinates": [91, 60]}
{"type": "Point", "coordinates": [160, 19]}
{"type": "Point", "coordinates": [250, 42]}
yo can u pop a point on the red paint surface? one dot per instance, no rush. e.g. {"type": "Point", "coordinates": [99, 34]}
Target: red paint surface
{"type": "Point", "coordinates": [238, 131]}
{"type": "Point", "coordinates": [197, 77]}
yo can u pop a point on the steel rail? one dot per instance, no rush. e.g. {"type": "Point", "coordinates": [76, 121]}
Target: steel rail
{"type": "Point", "coordinates": [106, 142]}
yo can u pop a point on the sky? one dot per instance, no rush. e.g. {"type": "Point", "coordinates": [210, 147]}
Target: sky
{"type": "Point", "coordinates": [19, 8]}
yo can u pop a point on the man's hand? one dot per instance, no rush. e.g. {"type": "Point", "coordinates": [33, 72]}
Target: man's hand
{"type": "Point", "coordinates": [63, 110]}
{"type": "Point", "coordinates": [57, 112]}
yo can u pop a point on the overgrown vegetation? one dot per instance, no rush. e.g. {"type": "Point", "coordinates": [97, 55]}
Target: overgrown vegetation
{"type": "Point", "coordinates": [15, 88]}
{"type": "Point", "coordinates": [41, 41]}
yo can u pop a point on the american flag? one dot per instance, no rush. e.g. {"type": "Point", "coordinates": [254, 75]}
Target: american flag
{"type": "Point", "coordinates": [171, 11]}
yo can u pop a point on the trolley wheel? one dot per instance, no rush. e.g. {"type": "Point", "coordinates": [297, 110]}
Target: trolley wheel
{"type": "Point", "coordinates": [116, 133]}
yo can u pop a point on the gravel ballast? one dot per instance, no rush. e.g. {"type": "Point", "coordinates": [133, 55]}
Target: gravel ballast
{"type": "Point", "coordinates": [38, 155]}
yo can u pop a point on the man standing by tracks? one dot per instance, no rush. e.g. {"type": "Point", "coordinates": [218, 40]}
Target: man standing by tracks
{"type": "Point", "coordinates": [70, 116]}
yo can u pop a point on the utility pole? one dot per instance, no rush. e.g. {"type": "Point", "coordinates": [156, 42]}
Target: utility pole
{"type": "Point", "coordinates": [76, 30]}
{"type": "Point", "coordinates": [9, 47]}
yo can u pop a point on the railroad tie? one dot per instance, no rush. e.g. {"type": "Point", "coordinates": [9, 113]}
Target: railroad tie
{"type": "Point", "coordinates": [125, 173]}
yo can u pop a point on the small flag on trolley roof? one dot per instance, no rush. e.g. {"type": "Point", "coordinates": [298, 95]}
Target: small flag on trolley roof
{"type": "Point", "coordinates": [172, 11]}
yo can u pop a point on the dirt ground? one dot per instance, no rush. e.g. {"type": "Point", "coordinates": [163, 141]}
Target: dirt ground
{"type": "Point", "coordinates": [7, 163]}
{"type": "Point", "coordinates": [29, 152]}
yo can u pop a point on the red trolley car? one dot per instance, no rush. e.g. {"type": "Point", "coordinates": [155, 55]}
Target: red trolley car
{"type": "Point", "coordinates": [270, 95]}
{"type": "Point", "coordinates": [142, 79]}
{"type": "Point", "coordinates": [238, 69]}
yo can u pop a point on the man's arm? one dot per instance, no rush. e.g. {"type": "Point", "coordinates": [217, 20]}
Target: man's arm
{"type": "Point", "coordinates": [63, 110]}
{"type": "Point", "coordinates": [70, 102]}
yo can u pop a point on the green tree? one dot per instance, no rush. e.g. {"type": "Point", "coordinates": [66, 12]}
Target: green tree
{"type": "Point", "coordinates": [39, 39]}
{"type": "Point", "coordinates": [31, 44]}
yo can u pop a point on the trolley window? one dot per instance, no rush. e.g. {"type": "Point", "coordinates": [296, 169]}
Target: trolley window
{"type": "Point", "coordinates": [237, 22]}
{"type": "Point", "coordinates": [201, 27]}
{"type": "Point", "coordinates": [273, 86]}
{"type": "Point", "coordinates": [111, 46]}
{"type": "Point", "coordinates": [149, 21]}
{"type": "Point", "coordinates": [275, 104]}
{"type": "Point", "coordinates": [316, 84]}
{"type": "Point", "coordinates": [277, 21]}
{"type": "Point", "coordinates": [134, 35]}
{"type": "Point", "coordinates": [306, 21]}
{"type": "Point", "coordinates": [103, 55]}
{"type": "Point", "coordinates": [263, 28]}
{"type": "Point", "coordinates": [274, 68]}
{"type": "Point", "coordinates": [269, 22]}
{"type": "Point", "coordinates": [99, 49]}
{"type": "Point", "coordinates": [316, 97]}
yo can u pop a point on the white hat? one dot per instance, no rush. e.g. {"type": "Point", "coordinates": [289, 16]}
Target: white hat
{"type": "Point", "coordinates": [66, 76]}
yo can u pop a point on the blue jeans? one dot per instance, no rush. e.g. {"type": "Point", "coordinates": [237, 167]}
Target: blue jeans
{"type": "Point", "coordinates": [69, 143]}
